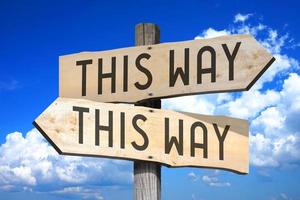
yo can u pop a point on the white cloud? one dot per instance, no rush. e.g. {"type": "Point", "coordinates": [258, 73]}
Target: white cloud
{"type": "Point", "coordinates": [214, 181]}
{"type": "Point", "coordinates": [281, 196]}
{"type": "Point", "coordinates": [291, 92]}
{"type": "Point", "coordinates": [277, 143]}
{"type": "Point", "coordinates": [195, 104]}
{"type": "Point", "coordinates": [249, 29]}
{"type": "Point", "coordinates": [261, 151]}
{"type": "Point", "coordinates": [284, 196]}
{"type": "Point", "coordinates": [241, 18]}
{"type": "Point", "coordinates": [211, 33]}
{"type": "Point", "coordinates": [210, 180]}
{"type": "Point", "coordinates": [193, 176]}
{"type": "Point", "coordinates": [83, 192]}
{"type": "Point", "coordinates": [223, 98]}
{"type": "Point", "coordinates": [29, 162]}
{"type": "Point", "coordinates": [251, 103]}
{"type": "Point", "coordinates": [271, 119]}
{"type": "Point", "coordinates": [275, 42]}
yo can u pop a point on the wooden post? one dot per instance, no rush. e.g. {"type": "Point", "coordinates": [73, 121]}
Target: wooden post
{"type": "Point", "coordinates": [147, 175]}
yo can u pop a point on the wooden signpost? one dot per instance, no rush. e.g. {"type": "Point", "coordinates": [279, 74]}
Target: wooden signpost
{"type": "Point", "coordinates": [147, 175]}
{"type": "Point", "coordinates": [81, 122]}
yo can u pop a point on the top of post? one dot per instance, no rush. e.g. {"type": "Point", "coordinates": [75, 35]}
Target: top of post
{"type": "Point", "coordinates": [146, 34]}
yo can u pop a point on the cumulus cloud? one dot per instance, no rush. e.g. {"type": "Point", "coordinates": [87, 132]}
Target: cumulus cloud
{"type": "Point", "coordinates": [29, 162]}
{"type": "Point", "coordinates": [272, 105]}
{"type": "Point", "coordinates": [277, 142]}
{"type": "Point", "coordinates": [270, 119]}
{"type": "Point", "coordinates": [251, 103]}
{"type": "Point", "coordinates": [273, 152]}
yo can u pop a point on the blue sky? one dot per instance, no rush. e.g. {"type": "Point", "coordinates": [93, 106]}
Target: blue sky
{"type": "Point", "coordinates": [34, 33]}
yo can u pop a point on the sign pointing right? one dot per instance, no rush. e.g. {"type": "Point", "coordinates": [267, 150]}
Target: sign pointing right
{"type": "Point", "coordinates": [222, 64]}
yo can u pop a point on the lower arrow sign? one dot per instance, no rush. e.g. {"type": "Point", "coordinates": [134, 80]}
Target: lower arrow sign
{"type": "Point", "coordinates": [87, 128]}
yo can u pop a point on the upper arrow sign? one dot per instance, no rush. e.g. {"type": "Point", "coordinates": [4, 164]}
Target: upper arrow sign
{"type": "Point", "coordinates": [222, 64]}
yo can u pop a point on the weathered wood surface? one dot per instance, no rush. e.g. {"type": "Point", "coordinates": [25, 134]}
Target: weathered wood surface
{"type": "Point", "coordinates": [147, 180]}
{"type": "Point", "coordinates": [147, 175]}
{"type": "Point", "coordinates": [140, 133]}
{"type": "Point", "coordinates": [144, 72]}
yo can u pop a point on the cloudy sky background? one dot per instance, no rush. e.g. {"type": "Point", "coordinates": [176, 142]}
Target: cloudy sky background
{"type": "Point", "coordinates": [33, 38]}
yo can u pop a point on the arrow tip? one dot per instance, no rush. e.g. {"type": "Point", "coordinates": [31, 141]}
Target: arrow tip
{"type": "Point", "coordinates": [35, 124]}
{"type": "Point", "coordinates": [261, 73]}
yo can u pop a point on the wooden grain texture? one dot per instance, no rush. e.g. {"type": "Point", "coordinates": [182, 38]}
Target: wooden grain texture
{"type": "Point", "coordinates": [249, 63]}
{"type": "Point", "coordinates": [60, 125]}
{"type": "Point", "coordinates": [147, 175]}
{"type": "Point", "coordinates": [147, 180]}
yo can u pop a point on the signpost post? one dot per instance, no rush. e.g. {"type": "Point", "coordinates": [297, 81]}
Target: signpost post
{"type": "Point", "coordinates": [147, 175]}
{"type": "Point", "coordinates": [81, 121]}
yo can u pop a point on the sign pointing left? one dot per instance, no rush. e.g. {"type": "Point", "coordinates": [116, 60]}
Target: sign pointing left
{"type": "Point", "coordinates": [83, 127]}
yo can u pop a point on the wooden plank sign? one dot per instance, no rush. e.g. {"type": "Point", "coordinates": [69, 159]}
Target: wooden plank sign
{"type": "Point", "coordinates": [87, 128]}
{"type": "Point", "coordinates": [222, 64]}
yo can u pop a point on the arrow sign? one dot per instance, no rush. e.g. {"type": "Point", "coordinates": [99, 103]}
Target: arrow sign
{"type": "Point", "coordinates": [222, 64]}
{"type": "Point", "coordinates": [87, 128]}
